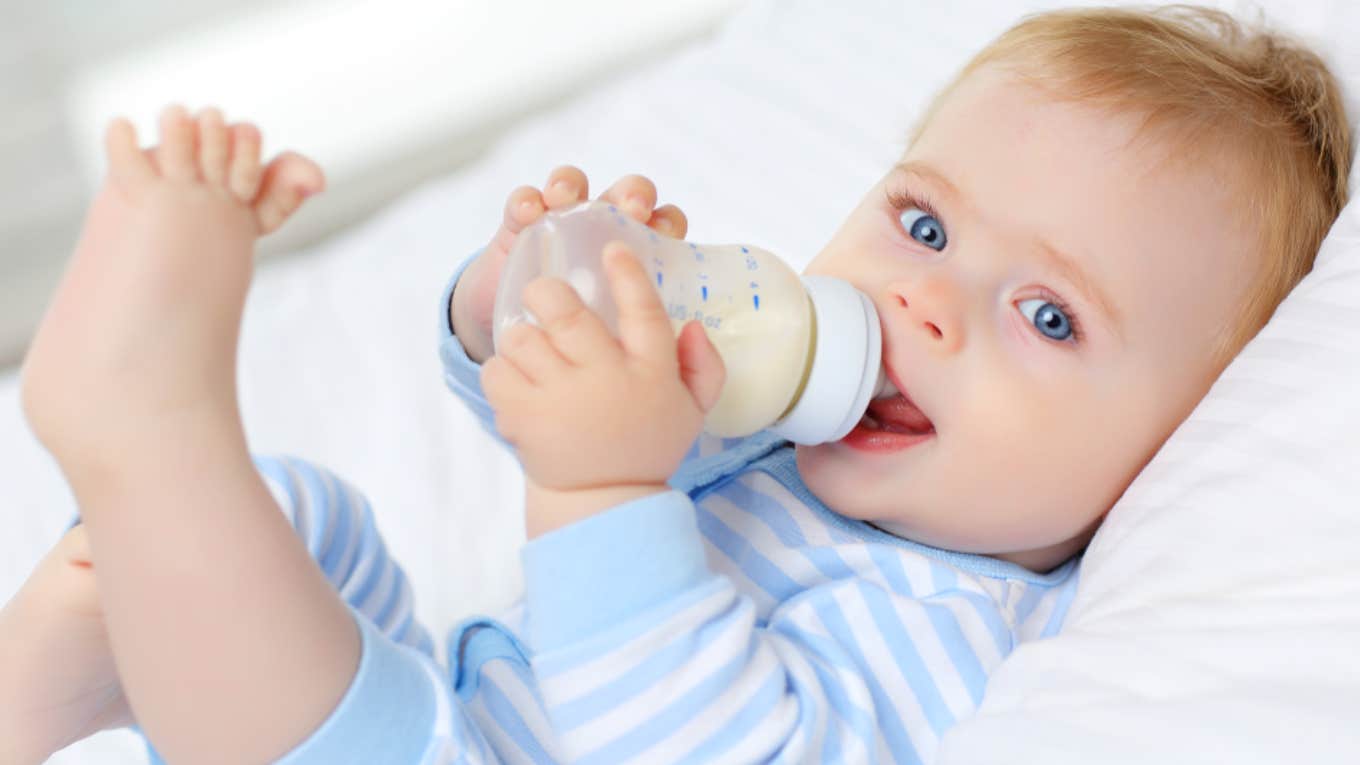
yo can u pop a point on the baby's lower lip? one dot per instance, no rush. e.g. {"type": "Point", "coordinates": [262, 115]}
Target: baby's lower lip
{"type": "Point", "coordinates": [869, 439]}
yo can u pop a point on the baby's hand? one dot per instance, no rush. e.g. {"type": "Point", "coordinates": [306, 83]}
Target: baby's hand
{"type": "Point", "coordinates": [475, 293]}
{"type": "Point", "coordinates": [61, 684]}
{"type": "Point", "coordinates": [586, 410]}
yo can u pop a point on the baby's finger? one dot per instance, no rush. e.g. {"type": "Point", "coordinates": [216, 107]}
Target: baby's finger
{"type": "Point", "coordinates": [566, 186]}
{"type": "Point", "coordinates": [669, 220]}
{"type": "Point", "coordinates": [529, 349]}
{"type": "Point", "coordinates": [524, 206]}
{"type": "Point", "coordinates": [644, 328]}
{"type": "Point", "coordinates": [575, 330]}
{"type": "Point", "coordinates": [635, 194]}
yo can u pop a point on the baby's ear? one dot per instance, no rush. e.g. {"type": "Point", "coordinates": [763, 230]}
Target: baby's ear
{"type": "Point", "coordinates": [701, 367]}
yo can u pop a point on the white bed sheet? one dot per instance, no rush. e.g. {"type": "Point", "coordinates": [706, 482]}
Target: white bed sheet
{"type": "Point", "coordinates": [768, 133]}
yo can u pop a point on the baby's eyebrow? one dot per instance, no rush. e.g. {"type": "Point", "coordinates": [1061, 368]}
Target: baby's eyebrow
{"type": "Point", "coordinates": [1066, 266]}
{"type": "Point", "coordinates": [1069, 269]}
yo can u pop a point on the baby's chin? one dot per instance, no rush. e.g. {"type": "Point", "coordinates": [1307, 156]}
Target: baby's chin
{"type": "Point", "coordinates": [883, 493]}
{"type": "Point", "coordinates": [846, 485]}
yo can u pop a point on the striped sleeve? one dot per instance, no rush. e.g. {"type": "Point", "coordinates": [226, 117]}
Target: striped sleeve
{"type": "Point", "coordinates": [643, 654]}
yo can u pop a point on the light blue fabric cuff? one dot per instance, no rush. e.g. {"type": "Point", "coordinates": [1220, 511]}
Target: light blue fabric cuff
{"type": "Point", "coordinates": [586, 577]}
{"type": "Point", "coordinates": [387, 714]}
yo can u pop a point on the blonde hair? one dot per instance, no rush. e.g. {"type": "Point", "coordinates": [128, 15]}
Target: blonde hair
{"type": "Point", "coordinates": [1267, 104]}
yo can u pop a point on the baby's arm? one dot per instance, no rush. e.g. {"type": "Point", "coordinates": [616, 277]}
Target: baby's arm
{"type": "Point", "coordinates": [670, 663]}
{"type": "Point", "coordinates": [642, 651]}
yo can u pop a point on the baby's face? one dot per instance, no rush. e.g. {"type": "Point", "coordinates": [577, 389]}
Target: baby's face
{"type": "Point", "coordinates": [1049, 386]}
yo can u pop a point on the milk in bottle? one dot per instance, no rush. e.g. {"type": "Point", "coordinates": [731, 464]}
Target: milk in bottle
{"type": "Point", "coordinates": [802, 354]}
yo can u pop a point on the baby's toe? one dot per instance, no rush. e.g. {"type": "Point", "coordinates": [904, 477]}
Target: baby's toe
{"type": "Point", "coordinates": [212, 147]}
{"type": "Point", "coordinates": [175, 155]}
{"type": "Point", "coordinates": [244, 172]}
{"type": "Point", "coordinates": [288, 180]}
{"type": "Point", "coordinates": [128, 164]}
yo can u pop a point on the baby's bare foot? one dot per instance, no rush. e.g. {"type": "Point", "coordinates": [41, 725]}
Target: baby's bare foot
{"type": "Point", "coordinates": [144, 325]}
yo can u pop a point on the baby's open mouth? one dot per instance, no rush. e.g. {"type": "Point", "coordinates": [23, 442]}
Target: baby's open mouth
{"type": "Point", "coordinates": [896, 414]}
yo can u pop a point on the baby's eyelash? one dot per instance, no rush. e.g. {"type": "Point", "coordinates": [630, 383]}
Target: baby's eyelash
{"type": "Point", "coordinates": [902, 199]}
{"type": "Point", "coordinates": [905, 199]}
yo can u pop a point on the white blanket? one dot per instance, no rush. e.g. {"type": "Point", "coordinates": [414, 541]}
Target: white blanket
{"type": "Point", "coordinates": [1218, 606]}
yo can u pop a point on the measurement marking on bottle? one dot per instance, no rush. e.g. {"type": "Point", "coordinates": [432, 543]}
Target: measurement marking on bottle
{"type": "Point", "coordinates": [704, 291]}
{"type": "Point", "coordinates": [680, 312]}
{"type": "Point", "coordinates": [756, 300]}
{"type": "Point", "coordinates": [658, 278]}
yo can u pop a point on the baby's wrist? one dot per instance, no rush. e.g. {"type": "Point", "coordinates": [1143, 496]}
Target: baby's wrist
{"type": "Point", "coordinates": [550, 509]}
{"type": "Point", "coordinates": [475, 342]}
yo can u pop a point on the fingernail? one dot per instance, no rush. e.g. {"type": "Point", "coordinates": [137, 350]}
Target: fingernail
{"type": "Point", "coordinates": [637, 206]}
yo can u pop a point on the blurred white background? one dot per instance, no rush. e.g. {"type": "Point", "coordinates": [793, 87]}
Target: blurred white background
{"type": "Point", "coordinates": [384, 94]}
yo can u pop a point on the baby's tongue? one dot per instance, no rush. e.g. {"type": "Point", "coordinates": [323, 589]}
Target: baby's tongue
{"type": "Point", "coordinates": [899, 415]}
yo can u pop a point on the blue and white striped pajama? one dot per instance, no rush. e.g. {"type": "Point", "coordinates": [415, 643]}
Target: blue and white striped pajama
{"type": "Point", "coordinates": [733, 619]}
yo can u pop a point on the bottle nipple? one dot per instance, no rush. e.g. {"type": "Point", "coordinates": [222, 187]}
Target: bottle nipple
{"type": "Point", "coordinates": [884, 388]}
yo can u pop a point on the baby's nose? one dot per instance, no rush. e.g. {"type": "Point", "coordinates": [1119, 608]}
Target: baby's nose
{"type": "Point", "coordinates": [930, 306]}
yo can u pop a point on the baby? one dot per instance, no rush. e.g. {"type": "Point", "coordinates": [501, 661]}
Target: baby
{"type": "Point", "coordinates": [1088, 224]}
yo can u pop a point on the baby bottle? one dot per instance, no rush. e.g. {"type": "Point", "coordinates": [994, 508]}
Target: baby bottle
{"type": "Point", "coordinates": [802, 354]}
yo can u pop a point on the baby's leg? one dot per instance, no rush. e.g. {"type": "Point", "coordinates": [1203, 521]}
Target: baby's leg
{"type": "Point", "coordinates": [130, 384]}
{"type": "Point", "coordinates": [60, 682]}
{"type": "Point", "coordinates": [336, 523]}
{"type": "Point", "coordinates": [144, 324]}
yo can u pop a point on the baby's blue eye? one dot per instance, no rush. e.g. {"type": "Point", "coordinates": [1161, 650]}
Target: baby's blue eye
{"type": "Point", "coordinates": [1048, 317]}
{"type": "Point", "coordinates": [923, 227]}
